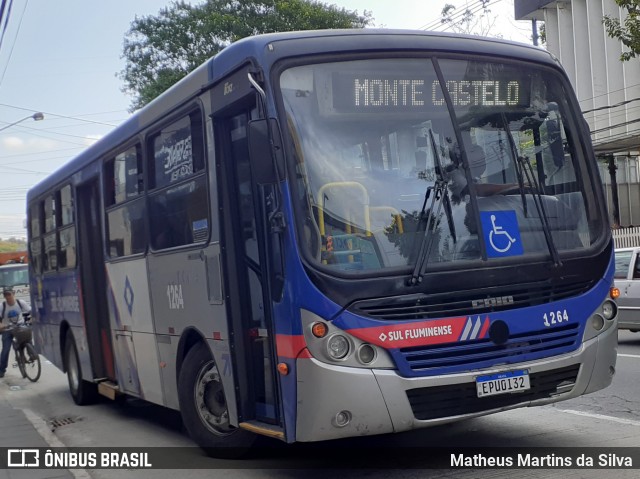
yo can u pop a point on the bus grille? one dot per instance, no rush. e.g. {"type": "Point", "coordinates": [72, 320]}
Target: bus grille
{"type": "Point", "coordinates": [462, 303]}
{"type": "Point", "coordinates": [457, 399]}
{"type": "Point", "coordinates": [482, 353]}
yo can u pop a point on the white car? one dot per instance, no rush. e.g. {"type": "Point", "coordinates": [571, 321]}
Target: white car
{"type": "Point", "coordinates": [627, 280]}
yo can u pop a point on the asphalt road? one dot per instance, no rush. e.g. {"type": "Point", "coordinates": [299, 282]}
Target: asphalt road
{"type": "Point", "coordinates": [608, 418]}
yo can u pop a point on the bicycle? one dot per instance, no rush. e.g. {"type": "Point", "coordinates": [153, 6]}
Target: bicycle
{"type": "Point", "coordinates": [27, 359]}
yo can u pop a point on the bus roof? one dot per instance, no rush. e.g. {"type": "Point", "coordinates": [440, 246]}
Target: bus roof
{"type": "Point", "coordinates": [269, 48]}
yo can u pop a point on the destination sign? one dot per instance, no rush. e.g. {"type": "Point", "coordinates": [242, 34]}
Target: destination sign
{"type": "Point", "coordinates": [354, 93]}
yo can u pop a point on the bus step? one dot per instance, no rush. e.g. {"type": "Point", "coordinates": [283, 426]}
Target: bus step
{"type": "Point", "coordinates": [263, 429]}
{"type": "Point", "coordinates": [109, 389]}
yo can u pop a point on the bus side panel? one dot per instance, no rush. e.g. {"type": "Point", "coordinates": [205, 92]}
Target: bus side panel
{"type": "Point", "coordinates": [58, 302]}
{"type": "Point", "coordinates": [136, 354]}
{"type": "Point", "coordinates": [185, 292]}
{"type": "Point", "coordinates": [168, 351]}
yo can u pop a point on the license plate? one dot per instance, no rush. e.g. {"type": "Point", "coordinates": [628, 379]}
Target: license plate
{"type": "Point", "coordinates": [503, 383]}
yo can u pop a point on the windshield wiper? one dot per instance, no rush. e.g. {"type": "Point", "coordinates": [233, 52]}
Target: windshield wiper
{"type": "Point", "coordinates": [523, 166]}
{"type": "Point", "coordinates": [439, 198]}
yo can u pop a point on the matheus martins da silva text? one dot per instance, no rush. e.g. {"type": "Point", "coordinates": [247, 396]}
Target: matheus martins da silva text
{"type": "Point", "coordinates": [547, 460]}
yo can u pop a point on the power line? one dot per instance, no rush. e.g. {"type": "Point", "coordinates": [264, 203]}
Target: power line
{"type": "Point", "coordinates": [611, 106]}
{"type": "Point", "coordinates": [32, 154]}
{"type": "Point", "coordinates": [609, 92]}
{"type": "Point", "coordinates": [67, 116]}
{"type": "Point", "coordinates": [15, 38]}
{"type": "Point", "coordinates": [615, 126]}
{"type": "Point", "coordinates": [435, 23]}
{"type": "Point", "coordinates": [455, 18]}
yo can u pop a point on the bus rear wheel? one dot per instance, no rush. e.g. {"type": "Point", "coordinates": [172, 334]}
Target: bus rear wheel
{"type": "Point", "coordinates": [203, 406]}
{"type": "Point", "coordinates": [82, 392]}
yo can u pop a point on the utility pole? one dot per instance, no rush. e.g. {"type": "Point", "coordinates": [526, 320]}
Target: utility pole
{"type": "Point", "coordinates": [534, 31]}
{"type": "Point", "coordinates": [614, 190]}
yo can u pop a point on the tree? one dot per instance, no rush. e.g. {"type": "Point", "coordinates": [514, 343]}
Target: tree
{"type": "Point", "coordinates": [161, 49]}
{"type": "Point", "coordinates": [629, 31]}
{"type": "Point", "coordinates": [472, 20]}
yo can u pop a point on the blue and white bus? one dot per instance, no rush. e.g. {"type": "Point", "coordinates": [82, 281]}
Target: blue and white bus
{"type": "Point", "coordinates": [318, 235]}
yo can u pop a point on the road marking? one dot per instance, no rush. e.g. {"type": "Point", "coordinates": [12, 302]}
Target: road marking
{"type": "Point", "coordinates": [637, 356]}
{"type": "Point", "coordinates": [629, 422]}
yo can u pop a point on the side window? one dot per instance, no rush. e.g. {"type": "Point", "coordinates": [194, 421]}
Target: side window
{"type": "Point", "coordinates": [177, 152]}
{"type": "Point", "coordinates": [66, 206]}
{"type": "Point", "coordinates": [35, 255]}
{"type": "Point", "coordinates": [123, 176]}
{"type": "Point", "coordinates": [178, 206]}
{"type": "Point", "coordinates": [50, 214]}
{"type": "Point", "coordinates": [125, 205]}
{"type": "Point", "coordinates": [50, 256]}
{"type": "Point", "coordinates": [636, 268]}
{"type": "Point", "coordinates": [35, 220]}
{"type": "Point", "coordinates": [126, 229]}
{"type": "Point", "coordinates": [67, 230]}
{"type": "Point", "coordinates": [623, 258]}
{"type": "Point", "coordinates": [35, 243]}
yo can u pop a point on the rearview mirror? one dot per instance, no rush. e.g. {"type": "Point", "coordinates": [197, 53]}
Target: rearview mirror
{"type": "Point", "coordinates": [266, 157]}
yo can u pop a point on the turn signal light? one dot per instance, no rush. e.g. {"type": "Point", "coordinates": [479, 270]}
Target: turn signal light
{"type": "Point", "coordinates": [319, 330]}
{"type": "Point", "coordinates": [283, 369]}
{"type": "Point", "coordinates": [614, 293]}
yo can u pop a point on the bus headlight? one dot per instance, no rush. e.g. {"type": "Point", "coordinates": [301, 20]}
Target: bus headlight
{"type": "Point", "coordinates": [333, 345]}
{"type": "Point", "coordinates": [609, 309]}
{"type": "Point", "coordinates": [337, 346]}
{"type": "Point", "coordinates": [597, 322]}
{"type": "Point", "coordinates": [366, 354]}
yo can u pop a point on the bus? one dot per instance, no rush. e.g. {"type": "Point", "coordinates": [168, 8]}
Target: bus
{"type": "Point", "coordinates": [325, 234]}
{"type": "Point", "coordinates": [16, 276]}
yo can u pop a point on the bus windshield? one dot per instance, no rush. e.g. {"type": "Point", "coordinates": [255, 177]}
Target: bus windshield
{"type": "Point", "coordinates": [14, 275]}
{"type": "Point", "coordinates": [368, 136]}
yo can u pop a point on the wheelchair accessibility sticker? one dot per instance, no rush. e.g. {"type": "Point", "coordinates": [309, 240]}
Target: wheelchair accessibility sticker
{"type": "Point", "coordinates": [501, 233]}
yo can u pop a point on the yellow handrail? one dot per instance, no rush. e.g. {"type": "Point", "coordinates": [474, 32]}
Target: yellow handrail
{"type": "Point", "coordinates": [343, 184]}
{"type": "Point", "coordinates": [397, 217]}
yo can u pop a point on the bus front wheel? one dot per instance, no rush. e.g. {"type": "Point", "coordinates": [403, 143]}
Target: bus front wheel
{"type": "Point", "coordinates": [203, 406]}
{"type": "Point", "coordinates": [82, 392]}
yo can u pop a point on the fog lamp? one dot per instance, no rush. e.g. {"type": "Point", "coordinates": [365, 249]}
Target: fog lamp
{"type": "Point", "coordinates": [597, 322]}
{"type": "Point", "coordinates": [366, 354]}
{"type": "Point", "coordinates": [338, 346]}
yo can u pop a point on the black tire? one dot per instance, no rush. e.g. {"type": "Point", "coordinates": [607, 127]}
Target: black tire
{"type": "Point", "coordinates": [20, 359]}
{"type": "Point", "coordinates": [204, 409]}
{"type": "Point", "coordinates": [82, 392]}
{"type": "Point", "coordinates": [31, 362]}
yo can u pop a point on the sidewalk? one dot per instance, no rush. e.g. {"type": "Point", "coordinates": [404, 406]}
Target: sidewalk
{"type": "Point", "coordinates": [16, 431]}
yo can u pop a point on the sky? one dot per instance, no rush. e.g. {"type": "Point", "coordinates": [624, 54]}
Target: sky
{"type": "Point", "coordinates": [61, 58]}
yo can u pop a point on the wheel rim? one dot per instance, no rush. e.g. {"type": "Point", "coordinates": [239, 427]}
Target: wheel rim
{"type": "Point", "coordinates": [210, 400]}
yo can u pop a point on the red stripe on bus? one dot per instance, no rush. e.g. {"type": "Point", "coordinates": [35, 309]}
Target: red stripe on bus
{"type": "Point", "coordinates": [485, 327]}
{"type": "Point", "coordinates": [290, 346]}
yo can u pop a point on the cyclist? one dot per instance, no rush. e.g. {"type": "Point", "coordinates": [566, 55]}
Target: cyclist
{"type": "Point", "coordinates": [12, 314]}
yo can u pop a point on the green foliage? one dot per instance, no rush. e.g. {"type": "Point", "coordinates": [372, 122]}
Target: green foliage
{"type": "Point", "coordinates": [161, 49]}
{"type": "Point", "coordinates": [12, 244]}
{"type": "Point", "coordinates": [474, 19]}
{"type": "Point", "coordinates": [627, 32]}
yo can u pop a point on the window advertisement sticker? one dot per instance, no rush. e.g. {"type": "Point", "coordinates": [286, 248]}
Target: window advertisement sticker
{"type": "Point", "coordinates": [501, 233]}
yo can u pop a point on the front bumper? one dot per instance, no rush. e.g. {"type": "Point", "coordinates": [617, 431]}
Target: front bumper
{"type": "Point", "coordinates": [376, 401]}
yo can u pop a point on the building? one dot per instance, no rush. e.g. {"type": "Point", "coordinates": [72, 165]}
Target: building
{"type": "Point", "coordinates": [608, 89]}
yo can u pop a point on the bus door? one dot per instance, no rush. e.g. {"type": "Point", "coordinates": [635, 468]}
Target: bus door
{"type": "Point", "coordinates": [93, 280]}
{"type": "Point", "coordinates": [247, 270]}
